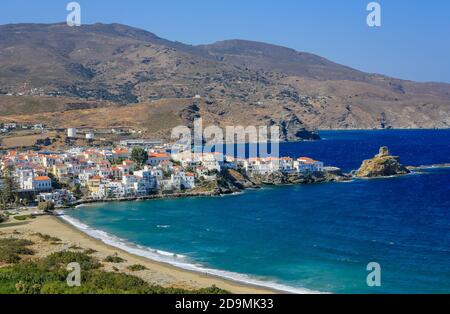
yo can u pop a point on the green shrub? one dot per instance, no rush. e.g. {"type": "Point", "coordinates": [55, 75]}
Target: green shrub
{"type": "Point", "coordinates": [3, 218]}
{"type": "Point", "coordinates": [46, 206]}
{"type": "Point", "coordinates": [9, 257]}
{"type": "Point", "coordinates": [62, 259]}
{"type": "Point", "coordinates": [90, 251]}
{"type": "Point", "coordinates": [136, 267]}
{"type": "Point", "coordinates": [114, 259]}
{"type": "Point", "coordinates": [24, 217]}
{"type": "Point", "coordinates": [46, 237]}
{"type": "Point", "coordinates": [20, 218]}
{"type": "Point", "coordinates": [48, 276]}
{"type": "Point", "coordinates": [11, 249]}
{"type": "Point", "coordinates": [212, 290]}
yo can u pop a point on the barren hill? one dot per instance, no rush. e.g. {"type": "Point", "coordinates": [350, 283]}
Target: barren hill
{"type": "Point", "coordinates": [69, 75]}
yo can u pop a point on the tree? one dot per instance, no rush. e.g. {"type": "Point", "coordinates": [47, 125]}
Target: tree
{"type": "Point", "coordinates": [10, 187]}
{"type": "Point", "coordinates": [139, 156]}
{"type": "Point", "coordinates": [109, 194]}
{"type": "Point", "coordinates": [76, 190]}
{"type": "Point", "coordinates": [3, 218]}
{"type": "Point", "coordinates": [55, 182]}
{"type": "Point", "coordinates": [46, 206]}
{"type": "Point", "coordinates": [25, 201]}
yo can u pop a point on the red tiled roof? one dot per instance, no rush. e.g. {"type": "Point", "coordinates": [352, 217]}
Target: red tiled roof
{"type": "Point", "coordinates": [307, 160]}
{"type": "Point", "coordinates": [120, 151]}
{"type": "Point", "coordinates": [158, 155]}
{"type": "Point", "coordinates": [42, 178]}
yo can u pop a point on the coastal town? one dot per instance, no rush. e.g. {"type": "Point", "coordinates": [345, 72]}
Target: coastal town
{"type": "Point", "coordinates": [134, 169]}
{"type": "Point", "coordinates": [221, 156]}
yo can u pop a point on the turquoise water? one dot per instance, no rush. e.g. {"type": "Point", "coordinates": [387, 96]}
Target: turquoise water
{"type": "Point", "coordinates": [317, 237]}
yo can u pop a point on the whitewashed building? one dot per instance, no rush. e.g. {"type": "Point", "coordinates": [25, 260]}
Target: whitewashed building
{"type": "Point", "coordinates": [58, 197]}
{"type": "Point", "coordinates": [306, 164]}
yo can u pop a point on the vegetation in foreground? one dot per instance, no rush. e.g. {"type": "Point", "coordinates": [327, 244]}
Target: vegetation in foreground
{"type": "Point", "coordinates": [24, 217]}
{"type": "Point", "coordinates": [114, 259]}
{"type": "Point", "coordinates": [46, 237]}
{"type": "Point", "coordinates": [12, 249]}
{"type": "Point", "coordinates": [48, 275]}
{"type": "Point", "coordinates": [136, 267]}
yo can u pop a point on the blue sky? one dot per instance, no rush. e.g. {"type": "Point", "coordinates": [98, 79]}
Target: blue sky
{"type": "Point", "coordinates": [412, 43]}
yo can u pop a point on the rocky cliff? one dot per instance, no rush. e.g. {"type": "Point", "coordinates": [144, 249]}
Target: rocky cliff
{"type": "Point", "coordinates": [330, 174]}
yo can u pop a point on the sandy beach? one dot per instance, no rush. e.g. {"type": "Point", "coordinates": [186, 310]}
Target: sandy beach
{"type": "Point", "coordinates": [157, 273]}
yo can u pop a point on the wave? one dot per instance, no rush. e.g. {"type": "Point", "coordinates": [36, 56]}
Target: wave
{"type": "Point", "coordinates": [178, 260]}
{"type": "Point", "coordinates": [163, 226]}
{"type": "Point", "coordinates": [86, 205]}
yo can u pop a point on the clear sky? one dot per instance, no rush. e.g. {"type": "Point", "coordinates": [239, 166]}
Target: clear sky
{"type": "Point", "coordinates": [412, 43]}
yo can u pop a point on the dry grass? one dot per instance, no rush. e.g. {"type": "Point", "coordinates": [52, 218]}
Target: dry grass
{"type": "Point", "coordinates": [24, 139]}
{"type": "Point", "coordinates": [155, 119]}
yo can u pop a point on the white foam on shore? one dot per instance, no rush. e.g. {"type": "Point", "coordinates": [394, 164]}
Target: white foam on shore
{"type": "Point", "coordinates": [178, 260]}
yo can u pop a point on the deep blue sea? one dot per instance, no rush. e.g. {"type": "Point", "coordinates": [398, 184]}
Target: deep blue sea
{"type": "Point", "coordinates": [316, 237]}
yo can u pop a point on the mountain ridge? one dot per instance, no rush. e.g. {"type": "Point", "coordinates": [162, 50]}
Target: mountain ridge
{"type": "Point", "coordinates": [239, 81]}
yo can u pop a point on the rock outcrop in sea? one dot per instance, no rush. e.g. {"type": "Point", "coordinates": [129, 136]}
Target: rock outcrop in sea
{"type": "Point", "coordinates": [382, 165]}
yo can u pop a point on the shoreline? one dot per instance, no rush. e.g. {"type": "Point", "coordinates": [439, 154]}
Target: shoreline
{"type": "Point", "coordinates": [257, 186]}
{"type": "Point", "coordinates": [143, 198]}
{"type": "Point", "coordinates": [169, 260]}
{"type": "Point", "coordinates": [214, 193]}
{"type": "Point", "coordinates": [158, 272]}
{"type": "Point", "coordinates": [80, 203]}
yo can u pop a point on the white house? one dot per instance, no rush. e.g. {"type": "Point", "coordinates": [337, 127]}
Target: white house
{"type": "Point", "coordinates": [42, 183]}
{"type": "Point", "coordinates": [171, 184]}
{"type": "Point", "coordinates": [286, 164]}
{"type": "Point", "coordinates": [71, 132]}
{"type": "Point", "coordinates": [140, 187]}
{"type": "Point", "coordinates": [104, 172]}
{"type": "Point", "coordinates": [10, 126]}
{"type": "Point", "coordinates": [129, 180]}
{"type": "Point", "coordinates": [73, 167]}
{"type": "Point", "coordinates": [212, 161]}
{"type": "Point", "coordinates": [25, 178]}
{"type": "Point", "coordinates": [187, 180]}
{"type": "Point", "coordinates": [50, 160]}
{"type": "Point", "coordinates": [58, 197]}
{"type": "Point", "coordinates": [147, 179]}
{"type": "Point", "coordinates": [306, 164]}
{"type": "Point", "coordinates": [155, 159]}
{"type": "Point", "coordinates": [120, 153]}
{"type": "Point", "coordinates": [110, 188]}
{"type": "Point", "coordinates": [261, 165]}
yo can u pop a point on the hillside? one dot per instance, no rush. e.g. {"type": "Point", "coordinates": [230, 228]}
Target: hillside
{"type": "Point", "coordinates": [69, 76]}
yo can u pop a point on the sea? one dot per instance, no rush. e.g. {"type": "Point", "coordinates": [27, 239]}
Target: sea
{"type": "Point", "coordinates": [317, 238]}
